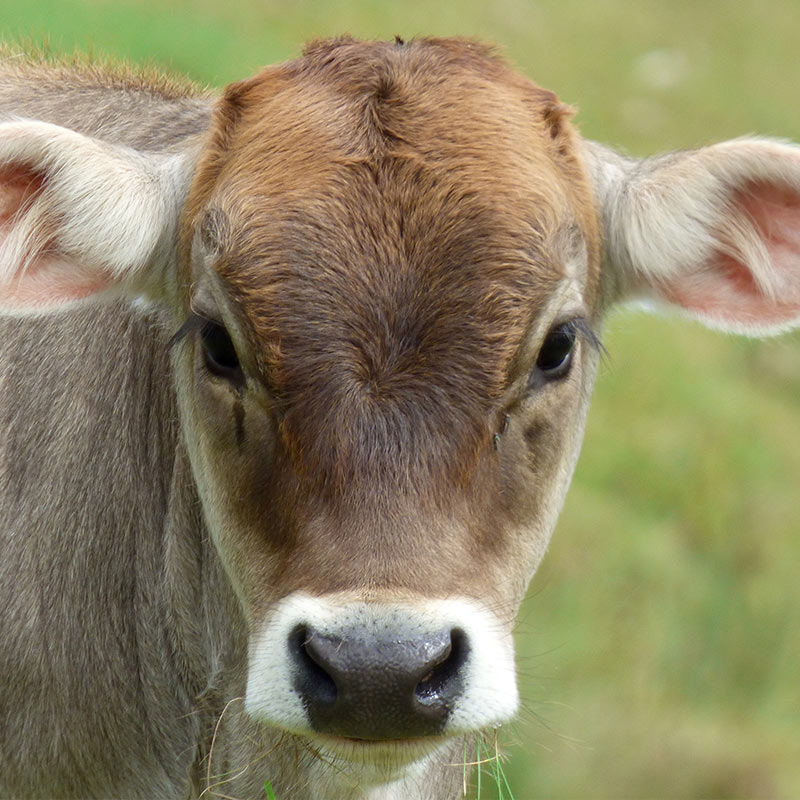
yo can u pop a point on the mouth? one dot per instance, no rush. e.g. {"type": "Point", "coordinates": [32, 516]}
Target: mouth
{"type": "Point", "coordinates": [394, 752]}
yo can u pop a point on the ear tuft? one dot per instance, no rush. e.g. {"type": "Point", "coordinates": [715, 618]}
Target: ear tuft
{"type": "Point", "coordinates": [556, 116]}
{"type": "Point", "coordinates": [19, 187]}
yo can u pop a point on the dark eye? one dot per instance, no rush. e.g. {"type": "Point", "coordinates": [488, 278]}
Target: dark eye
{"type": "Point", "coordinates": [555, 355]}
{"type": "Point", "coordinates": [220, 354]}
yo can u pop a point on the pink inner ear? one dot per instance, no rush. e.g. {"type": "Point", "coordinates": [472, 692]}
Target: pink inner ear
{"type": "Point", "coordinates": [50, 279]}
{"type": "Point", "coordinates": [52, 282]}
{"type": "Point", "coordinates": [18, 187]}
{"type": "Point", "coordinates": [775, 212]}
{"type": "Point", "coordinates": [726, 291]}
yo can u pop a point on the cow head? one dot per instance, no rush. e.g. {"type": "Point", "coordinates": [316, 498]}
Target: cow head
{"type": "Point", "coordinates": [394, 295]}
{"type": "Point", "coordinates": [389, 265]}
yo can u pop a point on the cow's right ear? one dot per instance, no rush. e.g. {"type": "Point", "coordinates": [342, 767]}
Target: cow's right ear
{"type": "Point", "coordinates": [82, 219]}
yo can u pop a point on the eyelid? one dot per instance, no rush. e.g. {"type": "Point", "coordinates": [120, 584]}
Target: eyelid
{"type": "Point", "coordinates": [194, 322]}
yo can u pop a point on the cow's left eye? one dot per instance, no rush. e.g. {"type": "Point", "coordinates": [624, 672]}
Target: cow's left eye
{"type": "Point", "coordinates": [219, 352]}
{"type": "Point", "coordinates": [555, 355]}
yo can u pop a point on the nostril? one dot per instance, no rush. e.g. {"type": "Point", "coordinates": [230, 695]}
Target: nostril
{"type": "Point", "coordinates": [315, 682]}
{"type": "Point", "coordinates": [441, 684]}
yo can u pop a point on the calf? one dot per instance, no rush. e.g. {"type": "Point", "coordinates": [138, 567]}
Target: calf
{"type": "Point", "coordinates": [293, 384]}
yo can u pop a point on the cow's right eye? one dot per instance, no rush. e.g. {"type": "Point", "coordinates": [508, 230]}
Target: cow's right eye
{"type": "Point", "coordinates": [219, 352]}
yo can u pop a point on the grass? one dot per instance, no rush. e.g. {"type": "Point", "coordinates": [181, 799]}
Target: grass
{"type": "Point", "coordinates": [658, 647]}
{"type": "Point", "coordinates": [489, 763]}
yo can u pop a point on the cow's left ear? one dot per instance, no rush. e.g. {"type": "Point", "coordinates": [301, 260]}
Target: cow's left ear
{"type": "Point", "coordinates": [714, 231]}
{"type": "Point", "coordinates": [82, 219]}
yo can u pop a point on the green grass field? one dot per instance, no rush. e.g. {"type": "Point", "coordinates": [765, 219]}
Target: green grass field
{"type": "Point", "coordinates": [659, 647]}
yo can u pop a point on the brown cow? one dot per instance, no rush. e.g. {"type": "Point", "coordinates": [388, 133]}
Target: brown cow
{"type": "Point", "coordinates": [287, 543]}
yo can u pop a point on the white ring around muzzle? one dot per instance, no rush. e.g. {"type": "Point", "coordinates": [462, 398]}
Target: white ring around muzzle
{"type": "Point", "coordinates": [488, 695]}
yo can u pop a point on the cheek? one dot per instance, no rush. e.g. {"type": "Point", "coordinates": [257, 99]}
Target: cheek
{"type": "Point", "coordinates": [540, 458]}
{"type": "Point", "coordinates": [230, 437]}
{"type": "Point", "coordinates": [241, 517]}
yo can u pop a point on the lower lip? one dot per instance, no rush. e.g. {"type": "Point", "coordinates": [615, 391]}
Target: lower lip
{"type": "Point", "coordinates": [401, 749]}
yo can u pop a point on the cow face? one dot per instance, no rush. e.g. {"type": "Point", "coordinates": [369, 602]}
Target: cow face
{"type": "Point", "coordinates": [392, 286]}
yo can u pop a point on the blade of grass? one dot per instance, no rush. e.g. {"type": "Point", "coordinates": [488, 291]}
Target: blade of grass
{"type": "Point", "coordinates": [479, 768]}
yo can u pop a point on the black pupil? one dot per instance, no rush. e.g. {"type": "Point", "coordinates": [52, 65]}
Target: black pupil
{"type": "Point", "coordinates": [556, 348]}
{"type": "Point", "coordinates": [220, 353]}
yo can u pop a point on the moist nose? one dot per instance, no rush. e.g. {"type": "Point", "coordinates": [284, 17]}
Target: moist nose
{"type": "Point", "coordinates": [378, 686]}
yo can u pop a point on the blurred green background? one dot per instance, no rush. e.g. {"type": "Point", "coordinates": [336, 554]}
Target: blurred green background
{"type": "Point", "coordinates": [659, 647]}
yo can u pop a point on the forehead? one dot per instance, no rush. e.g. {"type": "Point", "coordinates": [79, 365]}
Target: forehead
{"type": "Point", "coordinates": [434, 151]}
{"type": "Point", "coordinates": [449, 105]}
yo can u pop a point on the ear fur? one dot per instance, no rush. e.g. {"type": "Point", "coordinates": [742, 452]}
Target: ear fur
{"type": "Point", "coordinates": [80, 218]}
{"type": "Point", "coordinates": [715, 231]}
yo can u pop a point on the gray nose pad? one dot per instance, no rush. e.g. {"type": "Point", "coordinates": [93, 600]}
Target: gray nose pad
{"type": "Point", "coordinates": [378, 686]}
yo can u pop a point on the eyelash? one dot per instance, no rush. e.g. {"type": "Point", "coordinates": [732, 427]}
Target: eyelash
{"type": "Point", "coordinates": [219, 352]}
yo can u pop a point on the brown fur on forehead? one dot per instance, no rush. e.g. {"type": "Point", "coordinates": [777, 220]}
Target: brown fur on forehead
{"type": "Point", "coordinates": [391, 214]}
{"type": "Point", "coordinates": [439, 99]}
